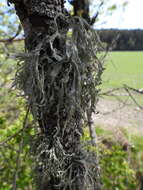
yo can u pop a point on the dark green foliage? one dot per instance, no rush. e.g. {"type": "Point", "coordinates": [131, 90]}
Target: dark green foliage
{"type": "Point", "coordinates": [116, 171]}
{"type": "Point", "coordinates": [12, 114]}
{"type": "Point", "coordinates": [122, 39]}
{"type": "Point", "coordinates": [14, 144]}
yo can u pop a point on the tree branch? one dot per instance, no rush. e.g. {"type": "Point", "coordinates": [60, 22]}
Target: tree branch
{"type": "Point", "coordinates": [10, 40]}
{"type": "Point", "coordinates": [13, 38]}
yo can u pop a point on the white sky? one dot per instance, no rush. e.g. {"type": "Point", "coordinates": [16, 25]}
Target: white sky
{"type": "Point", "coordinates": [130, 17]}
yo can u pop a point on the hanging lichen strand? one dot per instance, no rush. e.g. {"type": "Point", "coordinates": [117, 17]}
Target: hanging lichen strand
{"type": "Point", "coordinates": [59, 73]}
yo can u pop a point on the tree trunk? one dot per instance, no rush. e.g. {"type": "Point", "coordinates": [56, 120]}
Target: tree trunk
{"type": "Point", "coordinates": [81, 8]}
{"type": "Point", "coordinates": [51, 81]}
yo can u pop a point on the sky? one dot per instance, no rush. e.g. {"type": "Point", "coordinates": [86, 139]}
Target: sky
{"type": "Point", "coordinates": [129, 17]}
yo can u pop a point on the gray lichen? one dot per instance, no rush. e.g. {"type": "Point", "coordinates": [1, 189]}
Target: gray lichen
{"type": "Point", "coordinates": [59, 76]}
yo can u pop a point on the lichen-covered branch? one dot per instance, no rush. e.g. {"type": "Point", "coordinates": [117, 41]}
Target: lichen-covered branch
{"type": "Point", "coordinates": [59, 73]}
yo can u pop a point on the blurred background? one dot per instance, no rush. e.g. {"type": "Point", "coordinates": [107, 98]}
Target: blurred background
{"type": "Point", "coordinates": [119, 116]}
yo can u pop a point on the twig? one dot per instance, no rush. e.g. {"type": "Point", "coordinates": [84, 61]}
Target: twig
{"type": "Point", "coordinates": [108, 93]}
{"type": "Point", "coordinates": [20, 151]}
{"type": "Point", "coordinates": [13, 38]}
{"type": "Point", "coordinates": [134, 100]}
{"type": "Point", "coordinates": [10, 137]}
{"type": "Point", "coordinates": [10, 40]}
{"type": "Point", "coordinates": [134, 89]}
{"type": "Point", "coordinates": [20, 131]}
{"type": "Point", "coordinates": [94, 18]}
{"type": "Point", "coordinates": [17, 165]}
{"type": "Point", "coordinates": [91, 129]}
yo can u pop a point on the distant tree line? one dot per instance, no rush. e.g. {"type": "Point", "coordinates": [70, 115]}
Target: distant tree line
{"type": "Point", "coordinates": [122, 39]}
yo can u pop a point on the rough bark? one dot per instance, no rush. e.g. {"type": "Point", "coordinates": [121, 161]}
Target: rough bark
{"type": "Point", "coordinates": [53, 85]}
{"type": "Point", "coordinates": [81, 8]}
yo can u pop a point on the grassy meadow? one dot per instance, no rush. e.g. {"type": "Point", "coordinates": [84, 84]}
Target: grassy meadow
{"type": "Point", "coordinates": [123, 68]}
{"type": "Point", "coordinates": [124, 122]}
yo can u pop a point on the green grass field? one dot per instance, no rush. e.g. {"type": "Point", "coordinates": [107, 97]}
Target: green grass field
{"type": "Point", "coordinates": [123, 68]}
